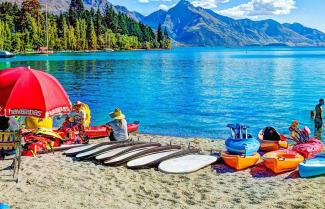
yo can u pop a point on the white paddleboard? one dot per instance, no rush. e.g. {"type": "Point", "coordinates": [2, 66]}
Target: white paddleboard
{"type": "Point", "coordinates": [98, 149]}
{"type": "Point", "coordinates": [186, 164]}
{"type": "Point", "coordinates": [111, 153]}
{"type": "Point", "coordinates": [142, 161]}
{"type": "Point", "coordinates": [127, 155]}
{"type": "Point", "coordinates": [68, 146]}
{"type": "Point", "coordinates": [79, 149]}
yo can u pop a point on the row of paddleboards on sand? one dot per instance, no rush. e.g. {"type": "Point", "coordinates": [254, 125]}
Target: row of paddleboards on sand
{"type": "Point", "coordinates": [137, 155]}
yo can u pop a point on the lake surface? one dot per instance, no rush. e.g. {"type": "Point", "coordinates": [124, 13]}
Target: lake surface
{"type": "Point", "coordinates": [192, 91]}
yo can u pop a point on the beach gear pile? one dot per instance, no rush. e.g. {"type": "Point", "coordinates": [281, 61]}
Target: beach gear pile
{"type": "Point", "coordinates": [138, 155]}
{"type": "Point", "coordinates": [241, 150]}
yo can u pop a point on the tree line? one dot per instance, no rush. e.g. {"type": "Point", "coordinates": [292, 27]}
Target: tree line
{"type": "Point", "coordinates": [24, 29]}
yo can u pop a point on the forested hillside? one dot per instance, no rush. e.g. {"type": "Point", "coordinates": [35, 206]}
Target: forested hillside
{"type": "Point", "coordinates": [23, 28]}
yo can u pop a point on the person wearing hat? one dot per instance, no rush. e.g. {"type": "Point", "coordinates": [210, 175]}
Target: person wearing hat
{"type": "Point", "coordinates": [118, 125]}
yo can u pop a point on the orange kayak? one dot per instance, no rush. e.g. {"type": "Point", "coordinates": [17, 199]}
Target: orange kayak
{"type": "Point", "coordinates": [282, 160]}
{"type": "Point", "coordinates": [240, 162]}
{"type": "Point", "coordinates": [272, 145]}
{"type": "Point", "coordinates": [267, 145]}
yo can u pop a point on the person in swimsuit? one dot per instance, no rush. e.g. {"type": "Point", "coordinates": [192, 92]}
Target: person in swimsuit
{"type": "Point", "coordinates": [319, 119]}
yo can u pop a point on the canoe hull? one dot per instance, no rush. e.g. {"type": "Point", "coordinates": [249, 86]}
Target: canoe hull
{"type": "Point", "coordinates": [239, 162]}
{"type": "Point", "coordinates": [282, 160]}
{"type": "Point", "coordinates": [312, 167]}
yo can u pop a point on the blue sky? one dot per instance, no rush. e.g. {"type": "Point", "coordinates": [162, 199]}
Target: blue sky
{"type": "Point", "coordinates": [310, 13]}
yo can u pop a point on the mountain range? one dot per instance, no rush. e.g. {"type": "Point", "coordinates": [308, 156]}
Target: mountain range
{"type": "Point", "coordinates": [197, 26]}
{"type": "Point", "coordinates": [203, 27]}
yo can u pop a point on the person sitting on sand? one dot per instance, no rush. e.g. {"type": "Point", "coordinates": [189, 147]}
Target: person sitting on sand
{"type": "Point", "coordinates": [118, 125]}
{"type": "Point", "coordinates": [319, 119]}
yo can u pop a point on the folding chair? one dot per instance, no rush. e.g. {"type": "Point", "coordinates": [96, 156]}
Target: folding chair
{"type": "Point", "coordinates": [10, 149]}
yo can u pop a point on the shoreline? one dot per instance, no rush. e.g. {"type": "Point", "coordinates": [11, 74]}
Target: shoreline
{"type": "Point", "coordinates": [88, 51]}
{"type": "Point", "coordinates": [56, 181]}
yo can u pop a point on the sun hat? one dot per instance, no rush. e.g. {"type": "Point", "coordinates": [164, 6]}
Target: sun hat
{"type": "Point", "coordinates": [117, 114]}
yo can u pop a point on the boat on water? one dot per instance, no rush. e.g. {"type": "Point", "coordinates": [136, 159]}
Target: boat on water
{"type": "Point", "coordinates": [108, 50]}
{"type": "Point", "coordinates": [6, 54]}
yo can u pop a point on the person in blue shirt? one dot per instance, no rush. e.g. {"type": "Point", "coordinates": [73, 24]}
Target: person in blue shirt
{"type": "Point", "coordinates": [118, 125]}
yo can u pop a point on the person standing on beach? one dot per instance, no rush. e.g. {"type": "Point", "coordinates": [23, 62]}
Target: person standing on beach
{"type": "Point", "coordinates": [119, 126]}
{"type": "Point", "coordinates": [319, 119]}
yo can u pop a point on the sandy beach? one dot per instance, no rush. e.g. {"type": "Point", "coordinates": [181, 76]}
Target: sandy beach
{"type": "Point", "coordinates": [56, 181]}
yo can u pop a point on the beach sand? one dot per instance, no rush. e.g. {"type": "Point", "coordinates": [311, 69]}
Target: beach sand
{"type": "Point", "coordinates": [56, 181]}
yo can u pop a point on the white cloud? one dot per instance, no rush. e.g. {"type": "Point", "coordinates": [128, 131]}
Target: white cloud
{"type": "Point", "coordinates": [163, 7]}
{"type": "Point", "coordinates": [143, 1]}
{"type": "Point", "coordinates": [208, 4]}
{"type": "Point", "coordinates": [255, 8]}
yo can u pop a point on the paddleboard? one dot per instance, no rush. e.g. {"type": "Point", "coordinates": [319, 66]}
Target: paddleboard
{"type": "Point", "coordinates": [77, 150]}
{"type": "Point", "coordinates": [142, 161]}
{"type": "Point", "coordinates": [155, 158]}
{"type": "Point", "coordinates": [68, 146]}
{"type": "Point", "coordinates": [122, 150]}
{"type": "Point", "coordinates": [186, 164]}
{"type": "Point", "coordinates": [123, 158]}
{"type": "Point", "coordinates": [101, 149]}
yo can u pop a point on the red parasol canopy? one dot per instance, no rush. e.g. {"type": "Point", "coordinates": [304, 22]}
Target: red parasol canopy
{"type": "Point", "coordinates": [28, 92]}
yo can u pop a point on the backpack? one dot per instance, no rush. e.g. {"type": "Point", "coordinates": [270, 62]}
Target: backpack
{"type": "Point", "coordinates": [271, 134]}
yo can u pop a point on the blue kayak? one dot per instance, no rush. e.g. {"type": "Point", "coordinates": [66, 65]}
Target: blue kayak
{"type": "Point", "coordinates": [313, 167]}
{"type": "Point", "coordinates": [242, 146]}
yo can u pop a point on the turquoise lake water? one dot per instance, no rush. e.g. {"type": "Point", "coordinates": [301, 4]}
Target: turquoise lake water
{"type": "Point", "coordinates": [192, 91]}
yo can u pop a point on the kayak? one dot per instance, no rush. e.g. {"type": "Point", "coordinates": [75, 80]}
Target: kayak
{"type": "Point", "coordinates": [270, 144]}
{"type": "Point", "coordinates": [309, 149]}
{"type": "Point", "coordinates": [240, 162]}
{"type": "Point", "coordinates": [242, 146]}
{"type": "Point", "coordinates": [104, 131]}
{"type": "Point", "coordinates": [313, 167]}
{"type": "Point", "coordinates": [280, 161]}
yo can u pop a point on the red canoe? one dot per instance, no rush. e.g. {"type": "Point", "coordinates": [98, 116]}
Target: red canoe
{"type": "Point", "coordinates": [309, 149]}
{"type": "Point", "coordinates": [103, 131]}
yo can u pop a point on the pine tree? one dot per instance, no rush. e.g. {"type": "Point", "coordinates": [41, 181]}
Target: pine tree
{"type": "Point", "coordinates": [76, 10]}
{"type": "Point", "coordinates": [160, 37]}
{"type": "Point", "coordinates": [65, 35]}
{"type": "Point", "coordinates": [98, 23]}
{"type": "Point", "coordinates": [93, 37]}
{"type": "Point", "coordinates": [83, 31]}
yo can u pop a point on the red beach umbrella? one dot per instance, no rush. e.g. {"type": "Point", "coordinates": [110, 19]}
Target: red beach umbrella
{"type": "Point", "coordinates": [28, 92]}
